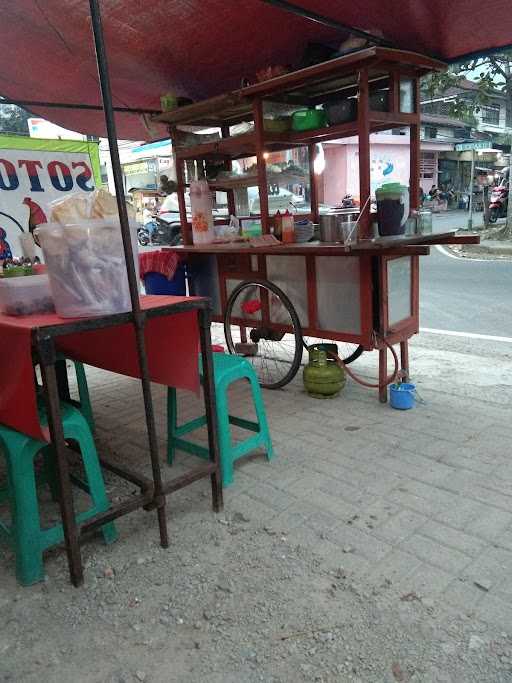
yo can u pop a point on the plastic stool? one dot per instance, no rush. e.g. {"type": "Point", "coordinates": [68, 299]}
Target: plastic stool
{"type": "Point", "coordinates": [227, 369]}
{"type": "Point", "coordinates": [24, 534]}
{"type": "Point", "coordinates": [84, 403]}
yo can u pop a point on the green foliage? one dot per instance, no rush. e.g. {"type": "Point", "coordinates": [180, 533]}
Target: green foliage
{"type": "Point", "coordinates": [493, 75]}
{"type": "Point", "coordinates": [13, 119]}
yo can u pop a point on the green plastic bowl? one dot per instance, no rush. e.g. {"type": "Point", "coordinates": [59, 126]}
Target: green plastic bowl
{"type": "Point", "coordinates": [309, 119]}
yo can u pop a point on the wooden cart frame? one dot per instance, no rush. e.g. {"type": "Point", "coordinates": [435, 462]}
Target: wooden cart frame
{"type": "Point", "coordinates": [358, 74]}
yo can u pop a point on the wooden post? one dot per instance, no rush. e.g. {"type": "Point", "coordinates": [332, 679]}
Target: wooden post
{"type": "Point", "coordinates": [180, 181]}
{"type": "Point", "coordinates": [257, 108]}
{"type": "Point", "coordinates": [229, 167]}
{"type": "Point", "coordinates": [363, 125]}
{"type": "Point", "coordinates": [313, 184]}
{"type": "Point", "coordinates": [415, 152]}
{"type": "Point", "coordinates": [394, 92]}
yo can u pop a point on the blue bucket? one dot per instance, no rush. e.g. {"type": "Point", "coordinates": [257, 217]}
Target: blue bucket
{"type": "Point", "coordinates": [402, 396]}
{"type": "Point", "coordinates": [156, 283]}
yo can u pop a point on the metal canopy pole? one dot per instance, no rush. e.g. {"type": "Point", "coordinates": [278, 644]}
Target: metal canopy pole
{"type": "Point", "coordinates": [138, 315]}
{"type": "Point", "coordinates": [325, 21]}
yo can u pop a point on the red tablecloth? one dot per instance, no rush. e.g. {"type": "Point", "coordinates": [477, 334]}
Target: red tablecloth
{"type": "Point", "coordinates": [172, 343]}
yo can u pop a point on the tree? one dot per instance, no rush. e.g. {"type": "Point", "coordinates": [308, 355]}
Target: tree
{"type": "Point", "coordinates": [13, 119]}
{"type": "Point", "coordinates": [492, 73]}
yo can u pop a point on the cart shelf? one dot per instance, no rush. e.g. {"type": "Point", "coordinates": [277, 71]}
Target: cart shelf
{"type": "Point", "coordinates": [245, 145]}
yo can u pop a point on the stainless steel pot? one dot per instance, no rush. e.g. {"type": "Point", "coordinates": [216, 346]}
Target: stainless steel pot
{"type": "Point", "coordinates": [329, 227]}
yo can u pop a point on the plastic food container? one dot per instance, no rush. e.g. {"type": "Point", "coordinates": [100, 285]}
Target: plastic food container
{"type": "Point", "coordinates": [392, 209]}
{"type": "Point", "coordinates": [379, 100]}
{"type": "Point", "coordinates": [342, 111]}
{"type": "Point", "coordinates": [86, 266]}
{"type": "Point", "coordinates": [25, 295]}
{"type": "Point", "coordinates": [309, 119]}
{"type": "Point", "coordinates": [277, 125]}
{"type": "Point", "coordinates": [425, 222]}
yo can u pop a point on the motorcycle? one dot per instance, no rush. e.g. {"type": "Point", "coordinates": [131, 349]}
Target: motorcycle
{"type": "Point", "coordinates": [498, 203]}
{"type": "Point", "coordinates": [159, 231]}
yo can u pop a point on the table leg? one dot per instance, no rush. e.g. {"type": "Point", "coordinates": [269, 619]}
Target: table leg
{"type": "Point", "coordinates": [47, 356]}
{"type": "Point", "coordinates": [210, 405]}
{"type": "Point", "coordinates": [62, 379]}
{"type": "Point", "coordinates": [404, 359]}
{"type": "Point", "coordinates": [383, 375]}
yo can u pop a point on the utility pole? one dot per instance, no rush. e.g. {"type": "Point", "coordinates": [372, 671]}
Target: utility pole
{"type": "Point", "coordinates": [508, 224]}
{"type": "Point", "coordinates": [470, 218]}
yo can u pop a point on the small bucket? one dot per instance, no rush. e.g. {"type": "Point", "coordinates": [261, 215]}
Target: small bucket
{"type": "Point", "coordinates": [402, 396]}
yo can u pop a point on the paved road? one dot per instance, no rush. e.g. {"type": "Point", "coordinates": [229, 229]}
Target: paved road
{"type": "Point", "coordinates": [466, 295]}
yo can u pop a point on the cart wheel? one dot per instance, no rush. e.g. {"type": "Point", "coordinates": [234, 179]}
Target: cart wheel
{"type": "Point", "coordinates": [346, 351]}
{"type": "Point", "coordinates": [275, 355]}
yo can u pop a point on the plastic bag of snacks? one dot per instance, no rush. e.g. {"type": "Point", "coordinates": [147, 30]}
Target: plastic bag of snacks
{"type": "Point", "coordinates": [83, 249]}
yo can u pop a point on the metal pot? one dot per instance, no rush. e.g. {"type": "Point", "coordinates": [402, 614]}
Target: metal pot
{"type": "Point", "coordinates": [329, 227]}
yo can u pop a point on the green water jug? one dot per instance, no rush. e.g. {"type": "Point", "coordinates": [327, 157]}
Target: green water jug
{"type": "Point", "coordinates": [323, 377]}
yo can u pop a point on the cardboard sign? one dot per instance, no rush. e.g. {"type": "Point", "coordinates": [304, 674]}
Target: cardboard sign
{"type": "Point", "coordinates": [34, 173]}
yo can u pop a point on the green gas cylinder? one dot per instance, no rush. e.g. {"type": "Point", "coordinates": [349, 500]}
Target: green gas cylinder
{"type": "Point", "coordinates": [323, 377]}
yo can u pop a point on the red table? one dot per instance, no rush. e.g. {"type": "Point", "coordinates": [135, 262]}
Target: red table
{"type": "Point", "coordinates": [175, 328]}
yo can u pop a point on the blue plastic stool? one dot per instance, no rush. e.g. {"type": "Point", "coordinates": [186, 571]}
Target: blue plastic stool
{"type": "Point", "coordinates": [24, 534]}
{"type": "Point", "coordinates": [227, 369]}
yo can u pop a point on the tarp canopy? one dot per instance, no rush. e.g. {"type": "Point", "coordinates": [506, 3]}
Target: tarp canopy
{"type": "Point", "coordinates": [200, 48]}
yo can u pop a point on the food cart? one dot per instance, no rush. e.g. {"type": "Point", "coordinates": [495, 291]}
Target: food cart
{"type": "Point", "coordinates": [365, 293]}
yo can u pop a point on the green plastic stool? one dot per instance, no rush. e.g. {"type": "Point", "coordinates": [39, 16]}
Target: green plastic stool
{"type": "Point", "coordinates": [84, 400]}
{"type": "Point", "coordinates": [84, 403]}
{"type": "Point", "coordinates": [227, 369]}
{"type": "Point", "coordinates": [24, 534]}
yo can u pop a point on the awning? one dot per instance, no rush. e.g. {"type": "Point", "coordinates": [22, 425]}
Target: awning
{"type": "Point", "coordinates": [199, 48]}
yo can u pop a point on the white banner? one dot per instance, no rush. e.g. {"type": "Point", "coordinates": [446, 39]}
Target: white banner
{"type": "Point", "coordinates": [29, 181]}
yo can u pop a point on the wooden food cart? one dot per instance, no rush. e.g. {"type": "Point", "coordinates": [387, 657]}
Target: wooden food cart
{"type": "Point", "coordinates": [365, 293]}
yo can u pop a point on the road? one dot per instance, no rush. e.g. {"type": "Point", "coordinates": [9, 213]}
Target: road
{"type": "Point", "coordinates": [465, 295]}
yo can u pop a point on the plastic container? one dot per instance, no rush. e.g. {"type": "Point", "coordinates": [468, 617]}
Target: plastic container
{"type": "Point", "coordinates": [156, 283]}
{"type": "Point", "coordinates": [379, 100]}
{"type": "Point", "coordinates": [402, 396]}
{"type": "Point", "coordinates": [277, 125]}
{"type": "Point", "coordinates": [86, 266]}
{"type": "Point", "coordinates": [309, 119]}
{"type": "Point", "coordinates": [342, 111]}
{"type": "Point", "coordinates": [25, 295]}
{"type": "Point", "coordinates": [424, 222]}
{"type": "Point", "coordinates": [392, 209]}
{"type": "Point", "coordinates": [201, 205]}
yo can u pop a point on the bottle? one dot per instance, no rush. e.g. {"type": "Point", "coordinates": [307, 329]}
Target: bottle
{"type": "Point", "coordinates": [287, 228]}
{"type": "Point", "coordinates": [201, 206]}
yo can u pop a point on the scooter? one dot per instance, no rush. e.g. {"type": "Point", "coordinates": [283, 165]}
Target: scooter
{"type": "Point", "coordinates": [498, 203]}
{"type": "Point", "coordinates": [159, 231]}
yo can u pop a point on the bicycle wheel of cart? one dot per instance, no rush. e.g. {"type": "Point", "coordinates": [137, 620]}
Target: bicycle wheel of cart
{"type": "Point", "coordinates": [346, 351]}
{"type": "Point", "coordinates": [274, 347]}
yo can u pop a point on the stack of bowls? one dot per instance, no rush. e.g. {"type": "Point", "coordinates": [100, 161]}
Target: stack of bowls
{"type": "Point", "coordinates": [303, 231]}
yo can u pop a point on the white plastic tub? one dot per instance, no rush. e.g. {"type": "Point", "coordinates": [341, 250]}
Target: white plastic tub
{"type": "Point", "coordinates": [87, 268]}
{"type": "Point", "coordinates": [25, 294]}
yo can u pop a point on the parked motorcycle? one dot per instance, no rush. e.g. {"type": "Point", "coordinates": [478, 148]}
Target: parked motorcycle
{"type": "Point", "coordinates": [159, 231]}
{"type": "Point", "coordinates": [498, 203]}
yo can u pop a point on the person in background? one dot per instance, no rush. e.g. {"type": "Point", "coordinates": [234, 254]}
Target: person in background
{"type": "Point", "coordinates": [147, 214]}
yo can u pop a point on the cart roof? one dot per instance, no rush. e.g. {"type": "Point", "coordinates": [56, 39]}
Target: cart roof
{"type": "Point", "coordinates": [199, 49]}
